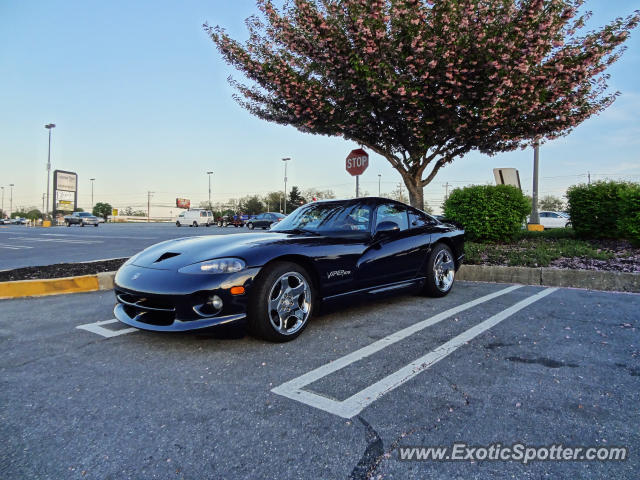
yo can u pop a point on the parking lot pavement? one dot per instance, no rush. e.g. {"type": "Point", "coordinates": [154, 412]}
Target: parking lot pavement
{"type": "Point", "coordinates": [22, 246]}
{"type": "Point", "coordinates": [496, 364]}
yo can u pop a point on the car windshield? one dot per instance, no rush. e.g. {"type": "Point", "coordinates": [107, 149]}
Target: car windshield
{"type": "Point", "coordinates": [84, 214]}
{"type": "Point", "coordinates": [325, 218]}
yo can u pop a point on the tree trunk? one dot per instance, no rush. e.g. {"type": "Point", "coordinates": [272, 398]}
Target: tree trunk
{"type": "Point", "coordinates": [416, 190]}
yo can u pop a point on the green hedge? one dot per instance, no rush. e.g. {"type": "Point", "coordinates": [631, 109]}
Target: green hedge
{"type": "Point", "coordinates": [487, 212]}
{"type": "Point", "coordinates": [629, 222]}
{"type": "Point", "coordinates": [605, 209]}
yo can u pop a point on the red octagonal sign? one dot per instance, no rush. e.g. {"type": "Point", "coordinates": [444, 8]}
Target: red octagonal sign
{"type": "Point", "coordinates": [357, 162]}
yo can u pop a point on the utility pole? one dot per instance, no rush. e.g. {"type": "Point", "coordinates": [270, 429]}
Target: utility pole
{"type": "Point", "coordinates": [92, 180]}
{"type": "Point", "coordinates": [588, 178]}
{"type": "Point", "coordinates": [3, 214]}
{"type": "Point", "coordinates": [535, 217]}
{"type": "Point", "coordinates": [149, 206]}
{"type": "Point", "coordinates": [446, 191]}
{"type": "Point", "coordinates": [49, 126]}
{"type": "Point", "coordinates": [11, 200]}
{"type": "Point", "coordinates": [285, 160]}
{"type": "Point", "coordinates": [43, 195]}
{"type": "Point", "coordinates": [209, 174]}
{"type": "Point", "coordinates": [379, 178]}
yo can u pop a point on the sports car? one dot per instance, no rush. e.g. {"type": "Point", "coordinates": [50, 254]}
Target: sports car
{"type": "Point", "coordinates": [275, 280]}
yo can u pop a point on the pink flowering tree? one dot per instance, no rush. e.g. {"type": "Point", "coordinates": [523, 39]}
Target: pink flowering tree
{"type": "Point", "coordinates": [423, 82]}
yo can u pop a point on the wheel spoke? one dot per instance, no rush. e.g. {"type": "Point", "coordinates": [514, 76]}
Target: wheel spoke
{"type": "Point", "coordinates": [292, 316]}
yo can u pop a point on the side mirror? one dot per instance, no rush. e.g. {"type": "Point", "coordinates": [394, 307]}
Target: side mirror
{"type": "Point", "coordinates": [387, 227]}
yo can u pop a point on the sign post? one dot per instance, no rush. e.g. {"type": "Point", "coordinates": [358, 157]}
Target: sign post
{"type": "Point", "coordinates": [356, 163]}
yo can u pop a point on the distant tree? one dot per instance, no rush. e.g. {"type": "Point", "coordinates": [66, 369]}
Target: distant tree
{"type": "Point", "coordinates": [398, 194]}
{"type": "Point", "coordinates": [78, 209]}
{"type": "Point", "coordinates": [102, 209]}
{"type": "Point", "coordinates": [251, 205]}
{"type": "Point", "coordinates": [33, 214]}
{"type": "Point", "coordinates": [423, 82]}
{"type": "Point", "coordinates": [311, 193]}
{"type": "Point", "coordinates": [3, 214]}
{"type": "Point", "coordinates": [549, 202]}
{"type": "Point", "coordinates": [295, 199]}
{"type": "Point", "coordinates": [20, 213]}
{"type": "Point", "coordinates": [273, 201]}
{"type": "Point", "coordinates": [206, 205]}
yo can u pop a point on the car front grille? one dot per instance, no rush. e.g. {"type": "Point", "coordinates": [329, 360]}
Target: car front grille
{"type": "Point", "coordinates": [147, 309]}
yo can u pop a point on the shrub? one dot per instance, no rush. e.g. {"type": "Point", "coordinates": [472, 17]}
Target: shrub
{"type": "Point", "coordinates": [487, 212]}
{"type": "Point", "coordinates": [600, 210]}
{"type": "Point", "coordinates": [629, 222]}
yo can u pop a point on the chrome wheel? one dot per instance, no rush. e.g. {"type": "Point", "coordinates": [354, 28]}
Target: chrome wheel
{"type": "Point", "coordinates": [289, 303]}
{"type": "Point", "coordinates": [443, 271]}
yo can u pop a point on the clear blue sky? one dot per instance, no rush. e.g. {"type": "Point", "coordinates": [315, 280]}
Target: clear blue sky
{"type": "Point", "coordinates": [141, 102]}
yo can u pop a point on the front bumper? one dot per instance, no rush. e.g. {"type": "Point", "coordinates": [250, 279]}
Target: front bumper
{"type": "Point", "coordinates": [168, 301]}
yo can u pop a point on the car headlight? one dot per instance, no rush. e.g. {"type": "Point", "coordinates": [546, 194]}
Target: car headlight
{"type": "Point", "coordinates": [218, 265]}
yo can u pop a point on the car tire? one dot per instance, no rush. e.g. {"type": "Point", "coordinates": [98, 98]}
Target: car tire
{"type": "Point", "coordinates": [96, 225]}
{"type": "Point", "coordinates": [68, 224]}
{"type": "Point", "coordinates": [82, 224]}
{"type": "Point", "coordinates": [267, 322]}
{"type": "Point", "coordinates": [440, 271]}
{"type": "Point", "coordinates": [195, 224]}
{"type": "Point", "coordinates": [178, 224]}
{"type": "Point", "coordinates": [250, 226]}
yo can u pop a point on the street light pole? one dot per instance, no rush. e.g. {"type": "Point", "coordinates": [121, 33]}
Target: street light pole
{"type": "Point", "coordinates": [49, 126]}
{"type": "Point", "coordinates": [92, 180]}
{"type": "Point", "coordinates": [11, 200]}
{"type": "Point", "coordinates": [209, 174]}
{"type": "Point", "coordinates": [379, 178]}
{"type": "Point", "coordinates": [535, 217]}
{"type": "Point", "coordinates": [285, 160]}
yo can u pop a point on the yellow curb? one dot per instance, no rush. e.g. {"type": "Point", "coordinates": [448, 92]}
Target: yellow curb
{"type": "Point", "coordinates": [52, 286]}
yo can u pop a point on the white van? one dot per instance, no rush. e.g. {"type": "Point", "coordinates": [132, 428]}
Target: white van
{"type": "Point", "coordinates": [195, 218]}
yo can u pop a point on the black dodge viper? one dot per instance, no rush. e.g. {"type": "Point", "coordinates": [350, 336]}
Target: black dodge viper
{"type": "Point", "coordinates": [323, 251]}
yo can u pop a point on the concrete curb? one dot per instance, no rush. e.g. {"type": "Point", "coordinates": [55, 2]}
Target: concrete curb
{"type": "Point", "coordinates": [57, 286]}
{"type": "Point", "coordinates": [552, 277]}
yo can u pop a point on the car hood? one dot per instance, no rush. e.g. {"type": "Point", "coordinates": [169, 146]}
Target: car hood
{"type": "Point", "coordinates": [175, 254]}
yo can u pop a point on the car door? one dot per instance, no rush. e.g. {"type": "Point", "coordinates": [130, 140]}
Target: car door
{"type": "Point", "coordinates": [392, 256]}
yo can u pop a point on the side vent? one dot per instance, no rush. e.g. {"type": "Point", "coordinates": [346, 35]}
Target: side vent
{"type": "Point", "coordinates": [166, 255]}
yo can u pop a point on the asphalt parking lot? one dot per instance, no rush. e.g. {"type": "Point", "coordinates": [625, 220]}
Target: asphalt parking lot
{"type": "Point", "coordinates": [22, 246]}
{"type": "Point", "coordinates": [488, 363]}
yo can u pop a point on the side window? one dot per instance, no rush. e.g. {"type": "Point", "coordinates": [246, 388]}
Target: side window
{"type": "Point", "coordinates": [391, 212]}
{"type": "Point", "coordinates": [418, 219]}
{"type": "Point", "coordinates": [554, 215]}
{"type": "Point", "coordinates": [181, 215]}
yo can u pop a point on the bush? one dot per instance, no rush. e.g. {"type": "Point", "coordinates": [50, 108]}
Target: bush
{"type": "Point", "coordinates": [629, 222]}
{"type": "Point", "coordinates": [487, 212]}
{"type": "Point", "coordinates": [604, 209]}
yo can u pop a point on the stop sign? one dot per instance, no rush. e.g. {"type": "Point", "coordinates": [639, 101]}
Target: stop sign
{"type": "Point", "coordinates": [357, 162]}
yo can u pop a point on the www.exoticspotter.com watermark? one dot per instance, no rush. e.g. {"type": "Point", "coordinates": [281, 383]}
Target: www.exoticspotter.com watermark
{"type": "Point", "coordinates": [517, 452]}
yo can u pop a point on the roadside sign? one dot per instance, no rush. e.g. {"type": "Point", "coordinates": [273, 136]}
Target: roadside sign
{"type": "Point", "coordinates": [357, 162]}
{"type": "Point", "coordinates": [114, 212]}
{"type": "Point", "coordinates": [507, 176]}
{"type": "Point", "coordinates": [183, 203]}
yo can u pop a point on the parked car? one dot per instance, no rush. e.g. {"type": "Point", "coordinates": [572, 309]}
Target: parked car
{"type": "Point", "coordinates": [5, 221]}
{"type": "Point", "coordinates": [264, 220]}
{"type": "Point", "coordinates": [554, 219]}
{"type": "Point", "coordinates": [81, 218]}
{"type": "Point", "coordinates": [322, 252]}
{"type": "Point", "coordinates": [18, 221]}
{"type": "Point", "coordinates": [233, 220]}
{"type": "Point", "coordinates": [195, 218]}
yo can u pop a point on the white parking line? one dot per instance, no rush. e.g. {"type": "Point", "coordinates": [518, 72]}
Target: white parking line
{"type": "Point", "coordinates": [57, 240]}
{"type": "Point", "coordinates": [80, 235]}
{"type": "Point", "coordinates": [105, 332]}
{"type": "Point", "coordinates": [14, 247]}
{"type": "Point", "coordinates": [353, 405]}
